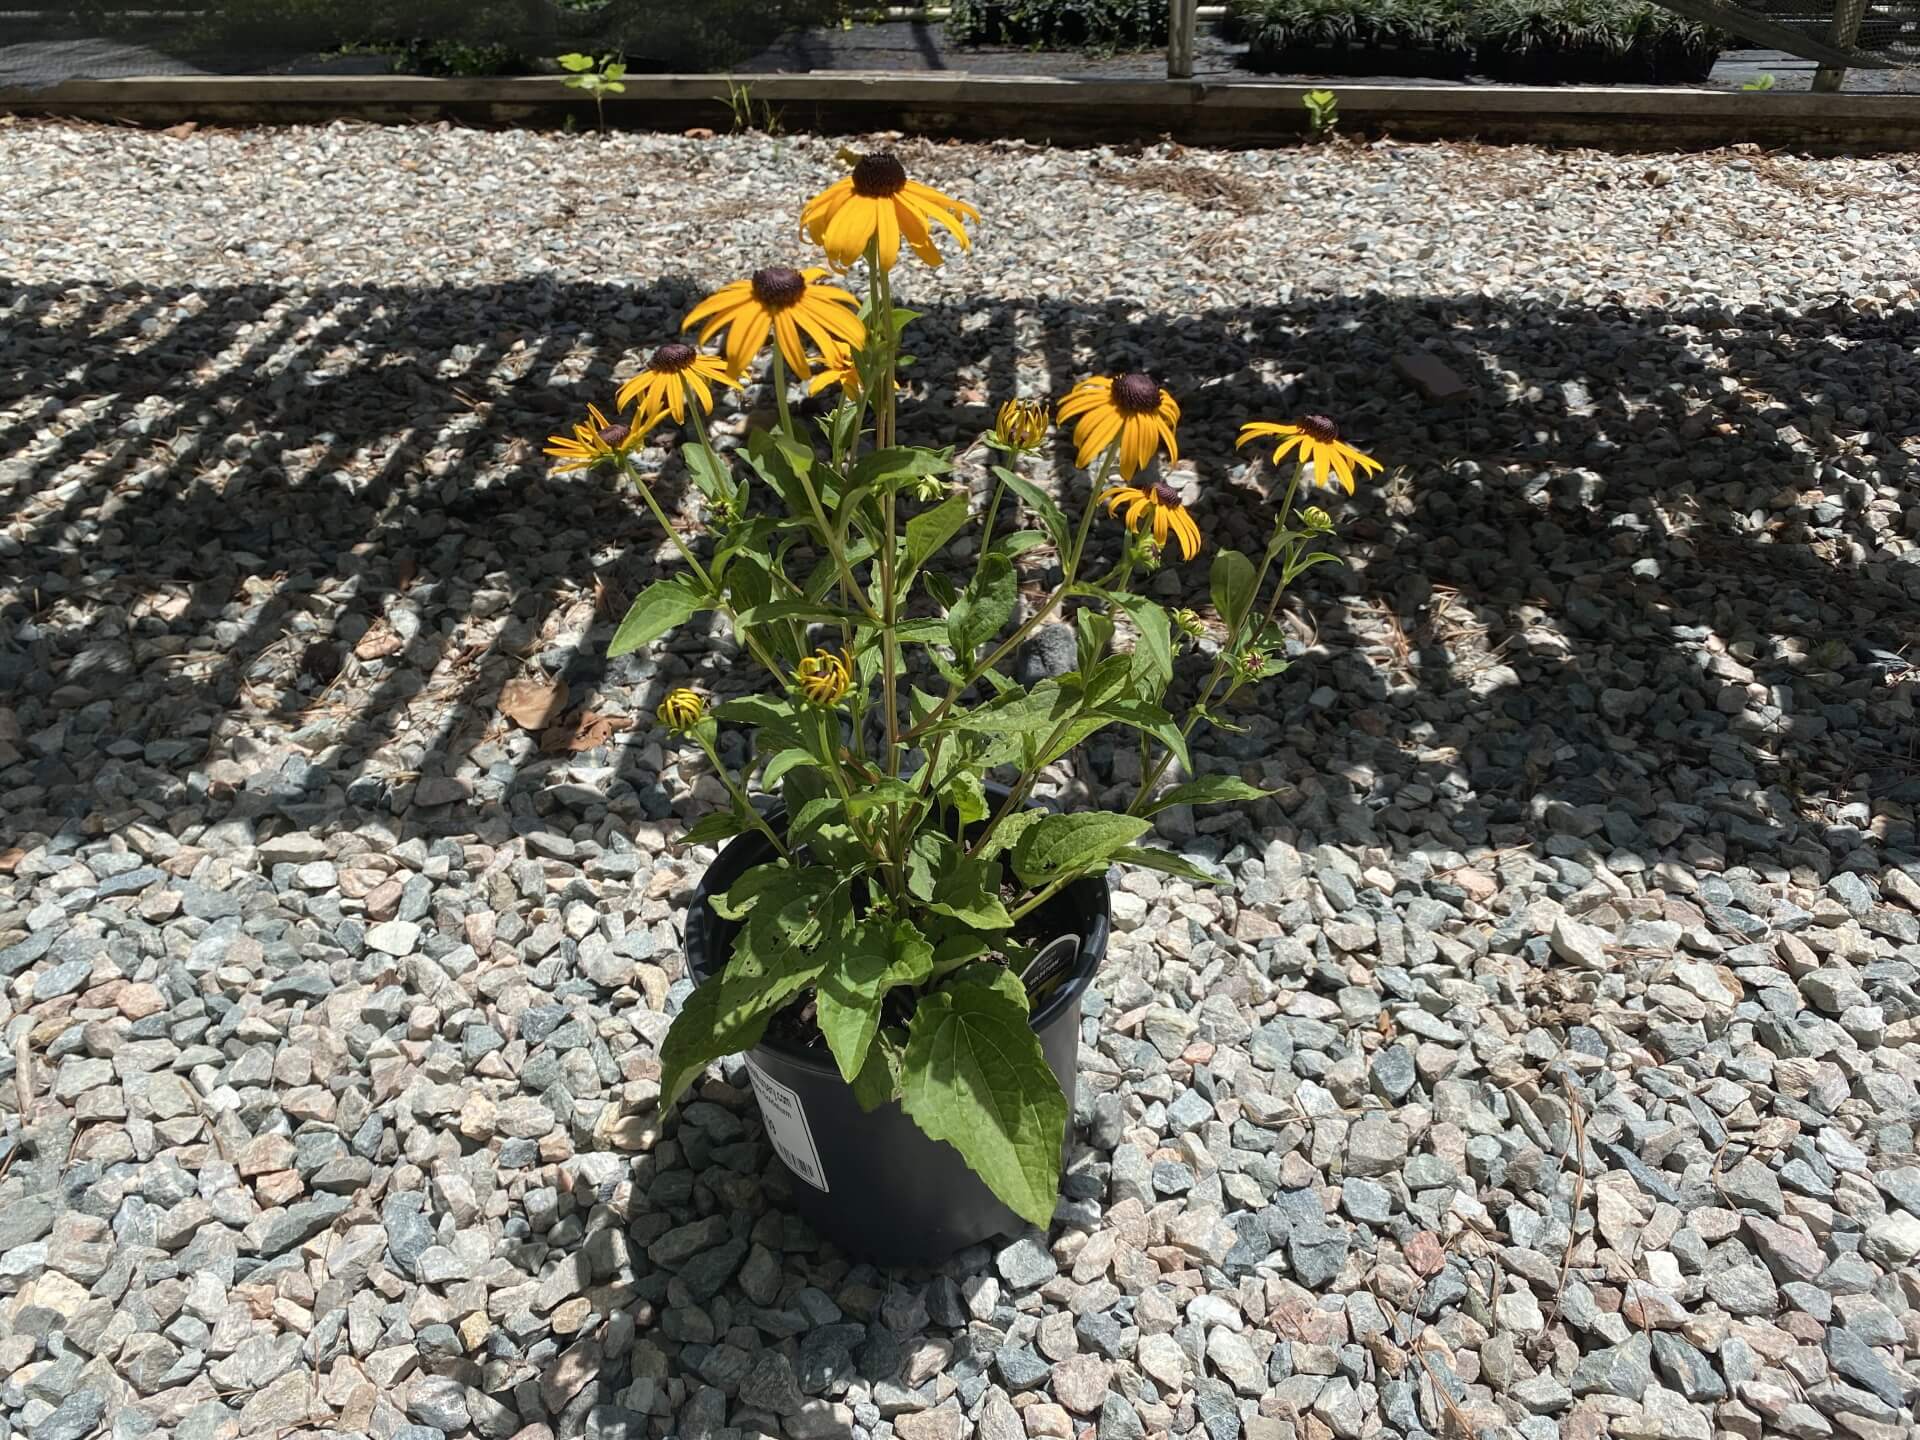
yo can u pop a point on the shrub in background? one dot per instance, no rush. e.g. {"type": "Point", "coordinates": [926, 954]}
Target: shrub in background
{"type": "Point", "coordinates": [1355, 37]}
{"type": "Point", "coordinates": [1060, 24]}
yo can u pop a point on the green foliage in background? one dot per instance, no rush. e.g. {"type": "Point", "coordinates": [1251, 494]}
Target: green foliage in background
{"type": "Point", "coordinates": [1103, 25]}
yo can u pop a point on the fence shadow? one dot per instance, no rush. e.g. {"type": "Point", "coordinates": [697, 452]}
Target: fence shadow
{"type": "Point", "coordinates": [188, 477]}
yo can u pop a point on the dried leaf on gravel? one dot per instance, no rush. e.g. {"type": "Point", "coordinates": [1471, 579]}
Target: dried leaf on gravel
{"type": "Point", "coordinates": [10, 860]}
{"type": "Point", "coordinates": [587, 731]}
{"type": "Point", "coordinates": [380, 642]}
{"type": "Point", "coordinates": [533, 702]}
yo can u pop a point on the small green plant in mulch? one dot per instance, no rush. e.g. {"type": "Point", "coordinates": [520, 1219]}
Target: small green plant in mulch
{"type": "Point", "coordinates": [1323, 113]}
{"type": "Point", "coordinates": [1096, 25]}
{"type": "Point", "coordinates": [597, 78]}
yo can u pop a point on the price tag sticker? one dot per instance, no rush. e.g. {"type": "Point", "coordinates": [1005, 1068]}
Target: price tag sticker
{"type": "Point", "coordinates": [787, 1127]}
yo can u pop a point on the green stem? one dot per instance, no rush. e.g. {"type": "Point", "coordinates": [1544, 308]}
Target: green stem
{"type": "Point", "coordinates": [1038, 618]}
{"type": "Point", "coordinates": [747, 637]}
{"type": "Point", "coordinates": [780, 392]}
{"type": "Point", "coordinates": [740, 796]}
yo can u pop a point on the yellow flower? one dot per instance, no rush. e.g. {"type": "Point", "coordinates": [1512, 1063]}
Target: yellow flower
{"type": "Point", "coordinates": [838, 369]}
{"type": "Point", "coordinates": [682, 709]}
{"type": "Point", "coordinates": [1157, 509]}
{"type": "Point", "coordinates": [598, 442]}
{"type": "Point", "coordinates": [662, 386]}
{"type": "Point", "coordinates": [1021, 424]}
{"type": "Point", "coordinates": [1131, 409]}
{"type": "Point", "coordinates": [824, 676]}
{"type": "Point", "coordinates": [1322, 451]}
{"type": "Point", "coordinates": [877, 202]}
{"type": "Point", "coordinates": [788, 304]}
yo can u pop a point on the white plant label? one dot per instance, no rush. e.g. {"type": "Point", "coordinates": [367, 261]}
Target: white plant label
{"type": "Point", "coordinates": [787, 1127]}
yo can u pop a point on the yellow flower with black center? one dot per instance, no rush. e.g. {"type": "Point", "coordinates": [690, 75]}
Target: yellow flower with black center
{"type": "Point", "coordinates": [1326, 456]}
{"type": "Point", "coordinates": [840, 369]}
{"type": "Point", "coordinates": [1130, 409]}
{"type": "Point", "coordinates": [682, 709]}
{"type": "Point", "coordinates": [1157, 510]}
{"type": "Point", "coordinates": [823, 676]}
{"type": "Point", "coordinates": [673, 369]}
{"type": "Point", "coordinates": [787, 304]}
{"type": "Point", "coordinates": [1021, 424]}
{"type": "Point", "coordinates": [878, 205]}
{"type": "Point", "coordinates": [597, 442]}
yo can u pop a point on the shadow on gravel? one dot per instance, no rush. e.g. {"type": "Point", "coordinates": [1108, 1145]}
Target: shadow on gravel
{"type": "Point", "coordinates": [276, 552]}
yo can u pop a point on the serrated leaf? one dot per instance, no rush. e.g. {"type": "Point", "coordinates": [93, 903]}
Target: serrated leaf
{"type": "Point", "coordinates": [969, 892]}
{"type": "Point", "coordinates": [966, 796]}
{"type": "Point", "coordinates": [853, 986]}
{"type": "Point", "coordinates": [974, 1076]}
{"type": "Point", "coordinates": [661, 606]}
{"type": "Point", "coordinates": [1008, 832]}
{"type": "Point", "coordinates": [1073, 844]}
{"type": "Point", "coordinates": [1207, 790]}
{"type": "Point", "coordinates": [1167, 863]}
{"type": "Point", "coordinates": [1231, 583]}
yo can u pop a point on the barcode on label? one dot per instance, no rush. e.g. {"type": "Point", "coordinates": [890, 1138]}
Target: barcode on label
{"type": "Point", "coordinates": [787, 1128]}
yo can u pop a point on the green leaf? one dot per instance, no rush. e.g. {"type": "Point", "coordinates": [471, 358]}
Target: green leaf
{"type": "Point", "coordinates": [775, 717]}
{"type": "Point", "coordinates": [1008, 832]}
{"type": "Point", "coordinates": [970, 892]}
{"type": "Point", "coordinates": [966, 796]}
{"type": "Point", "coordinates": [721, 825]}
{"type": "Point", "coordinates": [1018, 543]}
{"type": "Point", "coordinates": [1232, 586]}
{"type": "Point", "coordinates": [878, 956]}
{"type": "Point", "coordinates": [795, 609]}
{"type": "Point", "coordinates": [781, 763]}
{"type": "Point", "coordinates": [897, 465]}
{"type": "Point", "coordinates": [879, 1079]}
{"type": "Point", "coordinates": [1073, 844]}
{"type": "Point", "coordinates": [928, 531]}
{"type": "Point", "coordinates": [697, 1038]}
{"type": "Point", "coordinates": [960, 948]}
{"type": "Point", "coordinates": [1040, 503]}
{"type": "Point", "coordinates": [1153, 647]}
{"type": "Point", "coordinates": [984, 608]}
{"type": "Point", "coordinates": [1208, 790]}
{"type": "Point", "coordinates": [1093, 634]}
{"type": "Point", "coordinates": [577, 62]}
{"type": "Point", "coordinates": [975, 1076]}
{"type": "Point", "coordinates": [1168, 863]}
{"type": "Point", "coordinates": [661, 606]}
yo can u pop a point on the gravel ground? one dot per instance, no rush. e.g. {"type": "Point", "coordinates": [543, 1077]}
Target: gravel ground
{"type": "Point", "coordinates": [1549, 1069]}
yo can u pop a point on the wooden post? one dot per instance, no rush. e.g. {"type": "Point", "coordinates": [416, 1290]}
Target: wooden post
{"type": "Point", "coordinates": [1181, 18]}
{"type": "Point", "coordinates": [1844, 33]}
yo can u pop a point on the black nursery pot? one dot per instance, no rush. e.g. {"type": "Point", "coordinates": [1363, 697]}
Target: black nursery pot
{"type": "Point", "coordinates": [871, 1181]}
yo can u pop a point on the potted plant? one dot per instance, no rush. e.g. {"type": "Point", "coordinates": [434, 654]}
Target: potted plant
{"type": "Point", "coordinates": [899, 938]}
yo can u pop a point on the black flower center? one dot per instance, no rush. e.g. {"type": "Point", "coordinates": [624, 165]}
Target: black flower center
{"type": "Point", "coordinates": [1136, 394]}
{"type": "Point", "coordinates": [1165, 496]}
{"type": "Point", "coordinates": [615, 434]}
{"type": "Point", "coordinates": [1321, 428]}
{"type": "Point", "coordinates": [672, 358]}
{"type": "Point", "coordinates": [878, 176]}
{"type": "Point", "coordinates": [778, 286]}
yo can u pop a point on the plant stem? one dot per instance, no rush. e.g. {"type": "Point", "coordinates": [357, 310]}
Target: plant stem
{"type": "Point", "coordinates": [740, 797]}
{"type": "Point", "coordinates": [1039, 617]}
{"type": "Point", "coordinates": [780, 392]}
